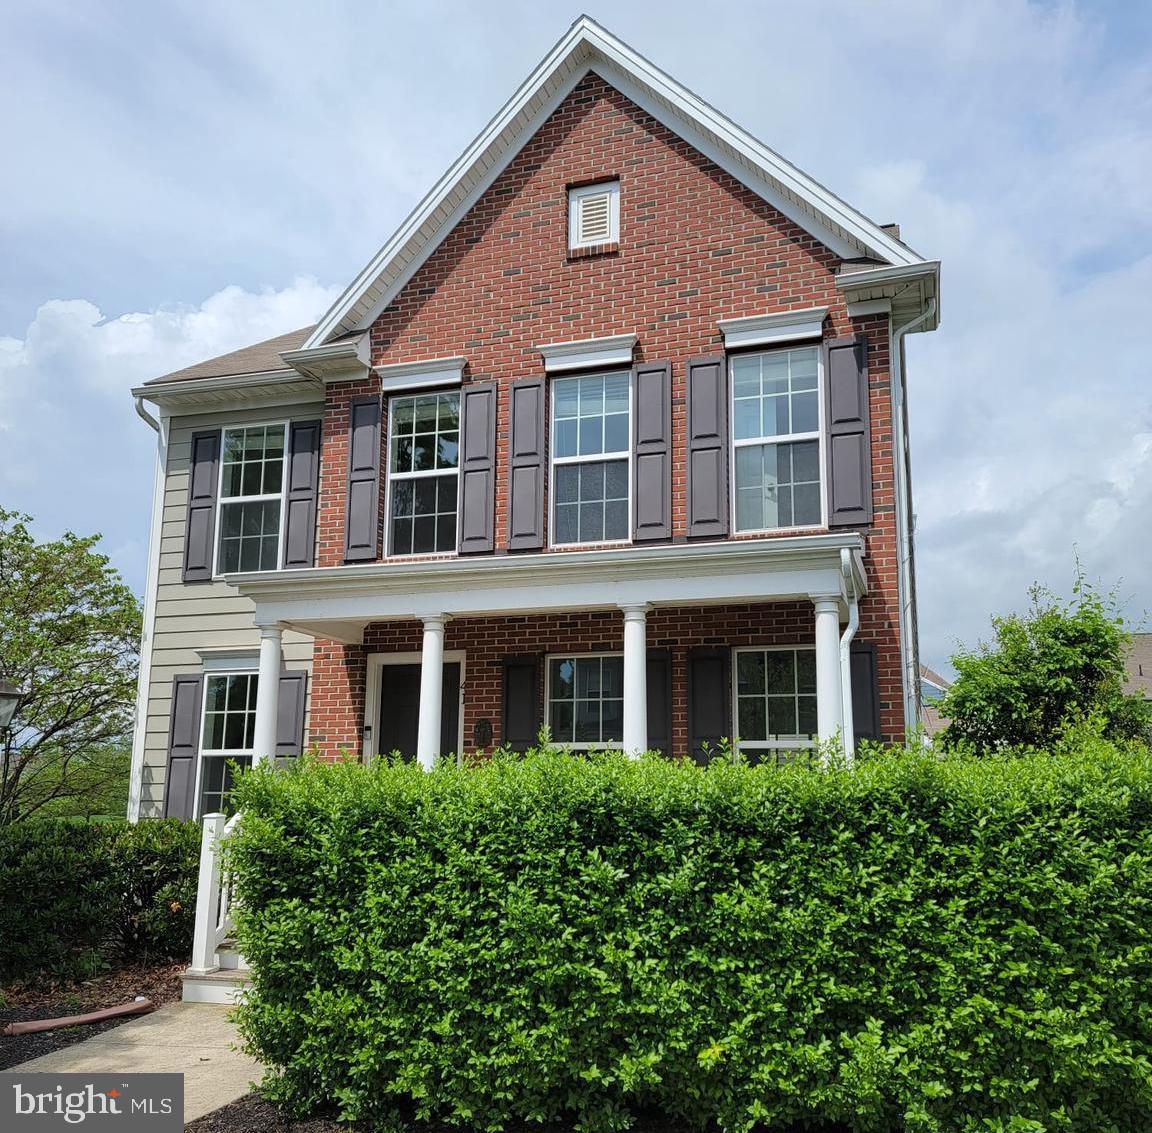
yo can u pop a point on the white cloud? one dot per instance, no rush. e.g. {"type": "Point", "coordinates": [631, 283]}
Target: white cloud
{"type": "Point", "coordinates": [1012, 140]}
{"type": "Point", "coordinates": [75, 455]}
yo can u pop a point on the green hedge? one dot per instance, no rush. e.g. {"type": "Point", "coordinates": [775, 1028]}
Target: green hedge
{"type": "Point", "coordinates": [76, 897]}
{"type": "Point", "coordinates": [917, 944]}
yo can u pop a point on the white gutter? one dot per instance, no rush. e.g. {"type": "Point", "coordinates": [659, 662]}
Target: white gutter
{"type": "Point", "coordinates": [849, 726]}
{"type": "Point", "coordinates": [147, 630]}
{"type": "Point", "coordinates": [909, 662]}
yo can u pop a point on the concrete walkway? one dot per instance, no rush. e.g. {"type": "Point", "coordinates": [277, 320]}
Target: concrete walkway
{"type": "Point", "coordinates": [193, 1039]}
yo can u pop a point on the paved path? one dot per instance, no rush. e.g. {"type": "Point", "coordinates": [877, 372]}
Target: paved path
{"type": "Point", "coordinates": [193, 1039]}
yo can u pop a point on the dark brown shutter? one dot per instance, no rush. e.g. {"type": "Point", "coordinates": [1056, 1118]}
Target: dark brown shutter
{"type": "Point", "coordinates": [848, 436]}
{"type": "Point", "coordinates": [200, 529]}
{"type": "Point", "coordinates": [362, 521]}
{"type": "Point", "coordinates": [183, 746]}
{"type": "Point", "coordinates": [659, 684]}
{"type": "Point", "coordinates": [527, 456]}
{"type": "Point", "coordinates": [522, 702]}
{"type": "Point", "coordinates": [477, 469]}
{"type": "Point", "coordinates": [290, 714]}
{"type": "Point", "coordinates": [865, 691]}
{"type": "Point", "coordinates": [707, 447]}
{"type": "Point", "coordinates": [709, 701]}
{"type": "Point", "coordinates": [303, 474]}
{"type": "Point", "coordinates": [652, 451]}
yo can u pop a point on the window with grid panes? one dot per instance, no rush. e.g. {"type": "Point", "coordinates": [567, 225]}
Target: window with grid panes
{"type": "Point", "coordinates": [590, 458]}
{"type": "Point", "coordinates": [775, 699]}
{"type": "Point", "coordinates": [251, 498]}
{"type": "Point", "coordinates": [424, 448]}
{"type": "Point", "coordinates": [776, 439]}
{"type": "Point", "coordinates": [586, 701]}
{"type": "Point", "coordinates": [228, 730]}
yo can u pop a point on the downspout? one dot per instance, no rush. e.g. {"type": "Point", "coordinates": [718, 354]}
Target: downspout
{"type": "Point", "coordinates": [905, 596]}
{"type": "Point", "coordinates": [136, 783]}
{"type": "Point", "coordinates": [849, 728]}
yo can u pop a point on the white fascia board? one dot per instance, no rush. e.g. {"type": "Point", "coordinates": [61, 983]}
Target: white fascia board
{"type": "Point", "coordinates": [419, 375]}
{"type": "Point", "coordinates": [588, 46]}
{"type": "Point", "coordinates": [266, 388]}
{"type": "Point", "coordinates": [588, 352]}
{"type": "Point", "coordinates": [344, 360]}
{"type": "Point", "coordinates": [761, 570]}
{"type": "Point", "coordinates": [927, 270]}
{"type": "Point", "coordinates": [781, 326]}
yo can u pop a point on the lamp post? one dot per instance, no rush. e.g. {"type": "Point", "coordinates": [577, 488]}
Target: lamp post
{"type": "Point", "coordinates": [9, 697]}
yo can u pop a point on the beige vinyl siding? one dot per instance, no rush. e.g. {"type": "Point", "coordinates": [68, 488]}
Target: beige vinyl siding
{"type": "Point", "coordinates": [203, 615]}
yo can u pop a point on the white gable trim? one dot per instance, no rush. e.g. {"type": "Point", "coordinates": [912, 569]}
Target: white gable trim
{"type": "Point", "coordinates": [587, 352]}
{"type": "Point", "coordinates": [587, 46]}
{"type": "Point", "coordinates": [783, 326]}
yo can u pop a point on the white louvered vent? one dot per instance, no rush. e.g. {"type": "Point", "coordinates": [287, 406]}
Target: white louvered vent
{"type": "Point", "coordinates": [594, 215]}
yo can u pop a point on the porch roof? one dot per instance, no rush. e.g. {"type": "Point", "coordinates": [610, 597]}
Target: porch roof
{"type": "Point", "coordinates": [339, 602]}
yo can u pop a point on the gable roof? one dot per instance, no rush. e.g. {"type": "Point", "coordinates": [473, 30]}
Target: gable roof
{"type": "Point", "coordinates": [259, 358]}
{"type": "Point", "coordinates": [589, 47]}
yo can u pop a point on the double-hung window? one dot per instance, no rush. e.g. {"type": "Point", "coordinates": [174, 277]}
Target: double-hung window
{"type": "Point", "coordinates": [590, 458]}
{"type": "Point", "coordinates": [251, 498]}
{"type": "Point", "coordinates": [776, 439]}
{"type": "Point", "coordinates": [424, 460]}
{"type": "Point", "coordinates": [586, 700]}
{"type": "Point", "coordinates": [227, 734]}
{"type": "Point", "coordinates": [775, 700]}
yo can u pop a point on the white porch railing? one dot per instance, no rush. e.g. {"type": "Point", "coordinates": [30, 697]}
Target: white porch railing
{"type": "Point", "coordinates": [213, 895]}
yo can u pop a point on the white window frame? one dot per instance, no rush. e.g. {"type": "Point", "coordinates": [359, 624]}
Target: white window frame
{"type": "Point", "coordinates": [221, 501]}
{"type": "Point", "coordinates": [610, 745]}
{"type": "Point", "coordinates": [390, 476]}
{"type": "Point", "coordinates": [555, 461]}
{"type": "Point", "coordinates": [781, 439]}
{"type": "Point", "coordinates": [575, 195]}
{"type": "Point", "coordinates": [375, 662]}
{"type": "Point", "coordinates": [779, 744]}
{"type": "Point", "coordinates": [201, 751]}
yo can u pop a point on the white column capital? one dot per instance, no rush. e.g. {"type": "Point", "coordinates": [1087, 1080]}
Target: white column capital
{"type": "Point", "coordinates": [435, 623]}
{"type": "Point", "coordinates": [826, 603]}
{"type": "Point", "coordinates": [273, 630]}
{"type": "Point", "coordinates": [635, 611]}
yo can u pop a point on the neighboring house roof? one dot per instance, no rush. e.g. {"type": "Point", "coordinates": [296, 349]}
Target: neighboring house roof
{"type": "Point", "coordinates": [933, 686]}
{"type": "Point", "coordinates": [259, 358]}
{"type": "Point", "coordinates": [589, 47]}
{"type": "Point", "coordinates": [1139, 665]}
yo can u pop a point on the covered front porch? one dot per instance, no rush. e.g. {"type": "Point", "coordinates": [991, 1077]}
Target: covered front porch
{"type": "Point", "coordinates": [654, 648]}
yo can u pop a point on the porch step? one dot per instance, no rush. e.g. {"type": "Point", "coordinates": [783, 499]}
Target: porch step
{"type": "Point", "coordinates": [224, 985]}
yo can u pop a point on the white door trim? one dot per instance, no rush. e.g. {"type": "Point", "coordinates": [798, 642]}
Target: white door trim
{"type": "Point", "coordinates": [372, 675]}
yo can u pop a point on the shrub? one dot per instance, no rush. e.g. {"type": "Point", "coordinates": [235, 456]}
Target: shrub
{"type": "Point", "coordinates": [78, 896]}
{"type": "Point", "coordinates": [918, 944]}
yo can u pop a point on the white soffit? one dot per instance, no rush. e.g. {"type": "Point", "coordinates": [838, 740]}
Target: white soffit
{"type": "Point", "coordinates": [782, 326]}
{"type": "Point", "coordinates": [588, 352]}
{"type": "Point", "coordinates": [589, 47]}
{"type": "Point", "coordinates": [418, 375]}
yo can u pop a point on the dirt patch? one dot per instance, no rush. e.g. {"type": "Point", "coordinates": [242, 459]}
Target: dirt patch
{"type": "Point", "coordinates": [45, 999]}
{"type": "Point", "coordinates": [252, 1112]}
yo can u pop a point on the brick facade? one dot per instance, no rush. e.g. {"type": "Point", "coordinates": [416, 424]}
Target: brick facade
{"type": "Point", "coordinates": [696, 246]}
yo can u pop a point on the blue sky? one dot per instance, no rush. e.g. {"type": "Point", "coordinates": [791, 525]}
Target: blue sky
{"type": "Point", "coordinates": [184, 178]}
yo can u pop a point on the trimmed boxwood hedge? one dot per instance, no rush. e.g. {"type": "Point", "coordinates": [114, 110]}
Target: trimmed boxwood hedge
{"type": "Point", "coordinates": [918, 943]}
{"type": "Point", "coordinates": [78, 896]}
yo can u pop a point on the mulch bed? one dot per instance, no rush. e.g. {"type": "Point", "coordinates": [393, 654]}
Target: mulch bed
{"type": "Point", "coordinates": [45, 999]}
{"type": "Point", "coordinates": [252, 1112]}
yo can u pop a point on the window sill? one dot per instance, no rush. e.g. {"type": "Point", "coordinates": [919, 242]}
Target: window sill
{"type": "Point", "coordinates": [592, 250]}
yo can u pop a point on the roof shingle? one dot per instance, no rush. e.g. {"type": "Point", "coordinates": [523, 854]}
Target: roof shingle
{"type": "Point", "coordinates": [254, 359]}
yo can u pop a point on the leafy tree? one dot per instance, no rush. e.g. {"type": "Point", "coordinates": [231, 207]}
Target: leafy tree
{"type": "Point", "coordinates": [1057, 665]}
{"type": "Point", "coordinates": [69, 637]}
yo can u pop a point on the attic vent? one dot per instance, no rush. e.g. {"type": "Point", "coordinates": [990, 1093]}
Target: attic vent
{"type": "Point", "coordinates": [594, 215]}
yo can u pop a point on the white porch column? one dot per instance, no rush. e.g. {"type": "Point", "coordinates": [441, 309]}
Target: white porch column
{"type": "Point", "coordinates": [431, 691]}
{"type": "Point", "coordinates": [829, 706]}
{"type": "Point", "coordinates": [635, 680]}
{"type": "Point", "coordinates": [267, 693]}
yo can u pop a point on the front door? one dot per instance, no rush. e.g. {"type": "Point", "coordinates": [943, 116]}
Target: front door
{"type": "Point", "coordinates": [400, 709]}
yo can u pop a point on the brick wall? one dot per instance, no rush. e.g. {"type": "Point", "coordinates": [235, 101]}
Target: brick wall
{"type": "Point", "coordinates": [695, 247]}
